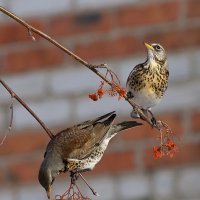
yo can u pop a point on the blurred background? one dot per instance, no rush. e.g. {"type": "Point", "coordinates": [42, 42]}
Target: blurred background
{"type": "Point", "coordinates": [56, 87]}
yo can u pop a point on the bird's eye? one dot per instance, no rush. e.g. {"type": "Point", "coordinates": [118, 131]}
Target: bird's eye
{"type": "Point", "coordinates": [157, 47]}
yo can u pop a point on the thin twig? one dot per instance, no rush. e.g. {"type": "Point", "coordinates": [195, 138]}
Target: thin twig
{"type": "Point", "coordinates": [93, 191]}
{"type": "Point", "coordinates": [10, 123]}
{"type": "Point", "coordinates": [12, 113]}
{"type": "Point", "coordinates": [14, 95]}
{"type": "Point", "coordinates": [31, 30]}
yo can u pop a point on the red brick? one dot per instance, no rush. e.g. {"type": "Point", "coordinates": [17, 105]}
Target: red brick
{"type": "Point", "coordinates": [148, 14]}
{"type": "Point", "coordinates": [25, 142]}
{"type": "Point", "coordinates": [146, 132]}
{"type": "Point", "coordinates": [68, 25]}
{"type": "Point", "coordinates": [176, 39]}
{"type": "Point", "coordinates": [174, 121]}
{"type": "Point", "coordinates": [187, 154]}
{"type": "Point", "coordinates": [193, 8]}
{"type": "Point", "coordinates": [140, 133]}
{"type": "Point", "coordinates": [113, 162]}
{"type": "Point", "coordinates": [24, 171]}
{"type": "Point", "coordinates": [195, 120]}
{"type": "Point", "coordinates": [117, 47]}
{"type": "Point", "coordinates": [14, 32]}
{"type": "Point", "coordinates": [2, 176]}
{"type": "Point", "coordinates": [24, 60]}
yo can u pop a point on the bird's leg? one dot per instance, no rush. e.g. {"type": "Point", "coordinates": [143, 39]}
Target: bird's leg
{"type": "Point", "coordinates": [134, 115]}
{"type": "Point", "coordinates": [129, 95]}
{"type": "Point", "coordinates": [74, 176]}
{"type": "Point", "coordinates": [153, 119]}
{"type": "Point", "coordinates": [93, 191]}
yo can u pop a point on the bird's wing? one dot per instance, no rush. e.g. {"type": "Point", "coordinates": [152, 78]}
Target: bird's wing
{"type": "Point", "coordinates": [79, 141]}
{"type": "Point", "coordinates": [133, 73]}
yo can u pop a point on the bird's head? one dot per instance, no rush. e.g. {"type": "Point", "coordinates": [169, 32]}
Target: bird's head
{"type": "Point", "coordinates": [156, 53]}
{"type": "Point", "coordinates": [49, 169]}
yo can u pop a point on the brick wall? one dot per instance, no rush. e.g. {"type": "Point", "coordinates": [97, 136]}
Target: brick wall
{"type": "Point", "coordinates": [56, 88]}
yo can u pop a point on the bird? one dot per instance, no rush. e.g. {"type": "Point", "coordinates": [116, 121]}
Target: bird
{"type": "Point", "coordinates": [148, 81]}
{"type": "Point", "coordinates": [79, 148]}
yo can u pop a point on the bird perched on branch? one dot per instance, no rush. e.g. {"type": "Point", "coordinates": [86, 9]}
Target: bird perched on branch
{"type": "Point", "coordinates": [148, 81]}
{"type": "Point", "coordinates": [79, 148]}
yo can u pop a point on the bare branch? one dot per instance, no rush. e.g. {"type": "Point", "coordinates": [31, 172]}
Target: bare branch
{"type": "Point", "coordinates": [11, 121]}
{"type": "Point", "coordinates": [14, 95]}
{"type": "Point", "coordinates": [11, 115]}
{"type": "Point", "coordinates": [31, 30]}
{"type": "Point", "coordinates": [92, 190]}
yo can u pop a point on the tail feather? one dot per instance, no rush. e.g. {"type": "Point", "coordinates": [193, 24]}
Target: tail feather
{"type": "Point", "coordinates": [89, 122]}
{"type": "Point", "coordinates": [108, 121]}
{"type": "Point", "coordinates": [104, 116]}
{"type": "Point", "coordinates": [124, 125]}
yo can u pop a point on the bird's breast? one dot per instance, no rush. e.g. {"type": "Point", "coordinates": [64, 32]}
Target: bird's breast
{"type": "Point", "coordinates": [90, 161]}
{"type": "Point", "coordinates": [148, 86]}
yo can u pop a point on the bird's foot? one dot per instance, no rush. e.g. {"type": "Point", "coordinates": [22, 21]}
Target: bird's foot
{"type": "Point", "coordinates": [74, 177]}
{"type": "Point", "coordinates": [129, 95]}
{"type": "Point", "coordinates": [153, 119]}
{"type": "Point", "coordinates": [135, 115]}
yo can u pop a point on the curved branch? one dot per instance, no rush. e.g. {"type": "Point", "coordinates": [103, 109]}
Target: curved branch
{"type": "Point", "coordinates": [31, 30]}
{"type": "Point", "coordinates": [14, 95]}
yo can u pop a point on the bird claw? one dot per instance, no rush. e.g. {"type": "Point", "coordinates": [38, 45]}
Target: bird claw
{"type": "Point", "coordinates": [74, 176]}
{"type": "Point", "coordinates": [96, 194]}
{"type": "Point", "coordinates": [134, 115]}
{"type": "Point", "coordinates": [154, 121]}
{"type": "Point", "coordinates": [129, 95]}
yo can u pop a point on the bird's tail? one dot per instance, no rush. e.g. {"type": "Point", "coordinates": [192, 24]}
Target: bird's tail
{"type": "Point", "coordinates": [111, 114]}
{"type": "Point", "coordinates": [109, 121]}
{"type": "Point", "coordinates": [98, 119]}
{"type": "Point", "coordinates": [124, 125]}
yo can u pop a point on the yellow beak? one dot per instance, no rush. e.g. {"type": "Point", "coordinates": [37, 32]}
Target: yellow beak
{"type": "Point", "coordinates": [148, 46]}
{"type": "Point", "coordinates": [49, 192]}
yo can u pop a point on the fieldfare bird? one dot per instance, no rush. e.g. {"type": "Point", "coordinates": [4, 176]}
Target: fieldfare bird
{"type": "Point", "coordinates": [148, 81]}
{"type": "Point", "coordinates": [79, 148]}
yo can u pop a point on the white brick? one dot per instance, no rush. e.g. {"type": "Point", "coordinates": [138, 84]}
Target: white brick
{"type": "Point", "coordinates": [92, 109]}
{"type": "Point", "coordinates": [6, 194]}
{"type": "Point", "coordinates": [134, 186]}
{"type": "Point", "coordinates": [180, 96]}
{"type": "Point", "coordinates": [189, 183]}
{"type": "Point", "coordinates": [27, 85]}
{"type": "Point", "coordinates": [37, 7]}
{"type": "Point", "coordinates": [4, 95]}
{"type": "Point", "coordinates": [74, 81]}
{"type": "Point", "coordinates": [104, 186]}
{"type": "Point", "coordinates": [163, 184]}
{"type": "Point", "coordinates": [83, 4]}
{"type": "Point", "coordinates": [195, 60]}
{"type": "Point", "coordinates": [2, 118]}
{"type": "Point", "coordinates": [31, 193]}
{"type": "Point", "coordinates": [179, 66]}
{"type": "Point", "coordinates": [59, 186]}
{"type": "Point", "coordinates": [52, 112]}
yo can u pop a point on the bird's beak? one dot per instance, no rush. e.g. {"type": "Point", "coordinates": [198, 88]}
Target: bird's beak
{"type": "Point", "coordinates": [148, 46]}
{"type": "Point", "coordinates": [49, 192]}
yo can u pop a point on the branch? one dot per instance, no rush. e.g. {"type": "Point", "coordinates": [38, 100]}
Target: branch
{"type": "Point", "coordinates": [14, 95]}
{"type": "Point", "coordinates": [31, 30]}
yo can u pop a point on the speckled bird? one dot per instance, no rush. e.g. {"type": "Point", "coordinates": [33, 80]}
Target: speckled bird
{"type": "Point", "coordinates": [79, 148]}
{"type": "Point", "coordinates": [148, 81]}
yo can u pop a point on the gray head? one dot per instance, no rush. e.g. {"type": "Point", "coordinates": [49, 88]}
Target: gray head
{"type": "Point", "coordinates": [51, 166]}
{"type": "Point", "coordinates": [156, 53]}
